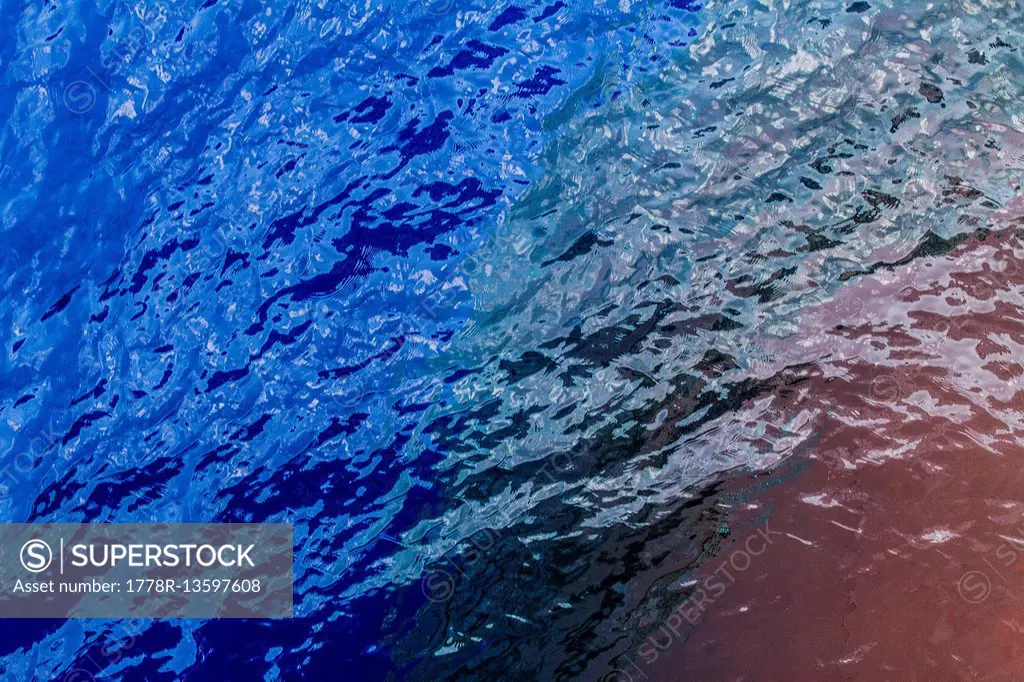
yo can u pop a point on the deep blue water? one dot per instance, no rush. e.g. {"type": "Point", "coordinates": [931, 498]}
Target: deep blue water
{"type": "Point", "coordinates": [235, 237]}
{"type": "Point", "coordinates": [428, 280]}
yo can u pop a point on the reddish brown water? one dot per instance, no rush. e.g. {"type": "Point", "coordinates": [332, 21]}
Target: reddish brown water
{"type": "Point", "coordinates": [897, 536]}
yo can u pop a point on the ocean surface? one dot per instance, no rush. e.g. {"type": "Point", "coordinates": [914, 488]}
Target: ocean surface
{"type": "Point", "coordinates": [487, 299]}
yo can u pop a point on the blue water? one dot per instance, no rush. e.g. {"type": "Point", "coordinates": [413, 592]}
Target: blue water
{"type": "Point", "coordinates": [422, 279]}
{"type": "Point", "coordinates": [232, 241]}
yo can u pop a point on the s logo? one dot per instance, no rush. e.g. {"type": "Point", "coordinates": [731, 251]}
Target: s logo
{"type": "Point", "coordinates": [36, 556]}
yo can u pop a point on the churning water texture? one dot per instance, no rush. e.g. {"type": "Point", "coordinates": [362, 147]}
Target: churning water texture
{"type": "Point", "coordinates": [478, 296]}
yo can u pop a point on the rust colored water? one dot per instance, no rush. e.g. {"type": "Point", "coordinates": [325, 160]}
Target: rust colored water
{"type": "Point", "coordinates": [897, 536]}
